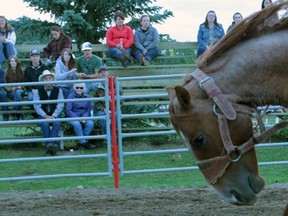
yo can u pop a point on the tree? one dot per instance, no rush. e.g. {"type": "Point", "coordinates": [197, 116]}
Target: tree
{"type": "Point", "coordinates": [88, 20]}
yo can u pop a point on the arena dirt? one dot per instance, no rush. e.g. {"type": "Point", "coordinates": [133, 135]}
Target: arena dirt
{"type": "Point", "coordinates": [161, 201]}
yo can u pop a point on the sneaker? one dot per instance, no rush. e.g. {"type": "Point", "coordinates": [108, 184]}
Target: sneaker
{"type": "Point", "coordinates": [51, 149]}
{"type": "Point", "coordinates": [123, 61]}
{"type": "Point", "coordinates": [146, 63]}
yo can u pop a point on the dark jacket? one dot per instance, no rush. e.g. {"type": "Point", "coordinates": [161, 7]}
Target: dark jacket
{"type": "Point", "coordinates": [31, 74]}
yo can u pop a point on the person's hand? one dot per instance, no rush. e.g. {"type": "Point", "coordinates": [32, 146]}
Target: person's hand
{"type": "Point", "coordinates": [3, 39]}
{"type": "Point", "coordinates": [120, 46]}
{"type": "Point", "coordinates": [83, 121]}
{"type": "Point", "coordinates": [73, 70]}
{"type": "Point", "coordinates": [49, 117]}
{"type": "Point", "coordinates": [144, 52]}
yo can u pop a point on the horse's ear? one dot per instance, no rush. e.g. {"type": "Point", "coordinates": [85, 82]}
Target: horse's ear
{"type": "Point", "coordinates": [171, 92]}
{"type": "Point", "coordinates": [184, 98]}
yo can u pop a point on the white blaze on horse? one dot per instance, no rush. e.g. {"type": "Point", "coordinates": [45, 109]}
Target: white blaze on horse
{"type": "Point", "coordinates": [212, 109]}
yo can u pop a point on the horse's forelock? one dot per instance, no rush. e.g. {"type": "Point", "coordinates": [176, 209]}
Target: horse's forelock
{"type": "Point", "coordinates": [259, 23]}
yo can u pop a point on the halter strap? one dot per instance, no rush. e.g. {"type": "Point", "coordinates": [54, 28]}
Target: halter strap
{"type": "Point", "coordinates": [207, 84]}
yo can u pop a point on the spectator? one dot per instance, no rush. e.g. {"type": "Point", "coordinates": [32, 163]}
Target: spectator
{"type": "Point", "coordinates": [59, 41]}
{"type": "Point", "coordinates": [119, 39]}
{"type": "Point", "coordinates": [103, 74]}
{"type": "Point", "coordinates": [87, 66]}
{"type": "Point", "coordinates": [15, 74]}
{"type": "Point", "coordinates": [3, 96]}
{"type": "Point", "coordinates": [80, 109]}
{"type": "Point", "coordinates": [49, 111]}
{"type": "Point", "coordinates": [237, 17]}
{"type": "Point", "coordinates": [100, 108]}
{"type": "Point", "coordinates": [33, 71]}
{"type": "Point", "coordinates": [65, 69]}
{"type": "Point", "coordinates": [7, 40]}
{"type": "Point", "coordinates": [266, 3]}
{"type": "Point", "coordinates": [209, 33]}
{"type": "Point", "coordinates": [146, 42]}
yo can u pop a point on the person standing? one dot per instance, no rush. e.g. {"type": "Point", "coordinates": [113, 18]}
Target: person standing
{"type": "Point", "coordinates": [80, 109]}
{"type": "Point", "coordinates": [146, 42]}
{"type": "Point", "coordinates": [33, 71]}
{"type": "Point", "coordinates": [209, 33]}
{"type": "Point", "coordinates": [87, 66]}
{"type": "Point", "coordinates": [119, 40]}
{"type": "Point", "coordinates": [237, 17]}
{"type": "Point", "coordinates": [7, 40]}
{"type": "Point", "coordinates": [15, 74]}
{"type": "Point", "coordinates": [59, 41]}
{"type": "Point", "coordinates": [49, 111]}
{"type": "Point", "coordinates": [65, 69]}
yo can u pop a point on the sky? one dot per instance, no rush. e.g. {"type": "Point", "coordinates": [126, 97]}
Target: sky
{"type": "Point", "coordinates": [188, 14]}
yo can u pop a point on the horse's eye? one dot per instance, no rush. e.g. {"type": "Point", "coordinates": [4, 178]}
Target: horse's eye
{"type": "Point", "coordinates": [198, 141]}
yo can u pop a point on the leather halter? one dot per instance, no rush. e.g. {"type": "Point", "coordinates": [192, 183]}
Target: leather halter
{"type": "Point", "coordinates": [214, 168]}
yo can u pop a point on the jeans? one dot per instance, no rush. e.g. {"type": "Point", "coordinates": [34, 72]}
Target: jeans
{"type": "Point", "coordinates": [48, 132]}
{"type": "Point", "coordinates": [3, 98]}
{"type": "Point", "coordinates": [82, 129]}
{"type": "Point", "coordinates": [16, 96]}
{"type": "Point", "coordinates": [6, 50]}
{"type": "Point", "coordinates": [102, 121]}
{"type": "Point", "coordinates": [149, 56]}
{"type": "Point", "coordinates": [116, 53]}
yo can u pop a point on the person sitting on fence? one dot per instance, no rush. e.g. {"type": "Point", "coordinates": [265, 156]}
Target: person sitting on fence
{"type": "Point", "coordinates": [33, 71]}
{"type": "Point", "coordinates": [119, 39]}
{"type": "Point", "coordinates": [7, 40]}
{"type": "Point", "coordinates": [100, 108]}
{"type": "Point", "coordinates": [3, 96]}
{"type": "Point", "coordinates": [15, 74]}
{"type": "Point", "coordinates": [54, 48]}
{"type": "Point", "coordinates": [80, 109]}
{"type": "Point", "coordinates": [49, 111]}
{"type": "Point", "coordinates": [65, 69]}
{"type": "Point", "coordinates": [87, 66]}
{"type": "Point", "coordinates": [146, 42]}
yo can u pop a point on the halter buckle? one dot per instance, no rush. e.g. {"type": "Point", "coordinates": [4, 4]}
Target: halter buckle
{"type": "Point", "coordinates": [204, 80]}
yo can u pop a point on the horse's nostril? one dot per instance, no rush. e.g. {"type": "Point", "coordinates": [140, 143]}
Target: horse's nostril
{"type": "Point", "coordinates": [256, 183]}
{"type": "Point", "coordinates": [237, 196]}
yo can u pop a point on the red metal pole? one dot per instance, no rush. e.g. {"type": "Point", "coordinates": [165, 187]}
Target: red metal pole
{"type": "Point", "coordinates": [115, 158]}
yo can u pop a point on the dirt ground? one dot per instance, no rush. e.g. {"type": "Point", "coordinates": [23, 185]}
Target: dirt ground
{"type": "Point", "coordinates": [162, 201]}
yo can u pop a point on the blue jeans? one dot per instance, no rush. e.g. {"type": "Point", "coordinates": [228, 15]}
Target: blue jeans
{"type": "Point", "coordinates": [16, 96]}
{"type": "Point", "coordinates": [3, 98]}
{"type": "Point", "coordinates": [149, 56]}
{"type": "Point", "coordinates": [82, 129]}
{"type": "Point", "coordinates": [48, 132]}
{"type": "Point", "coordinates": [6, 50]}
{"type": "Point", "coordinates": [102, 121]}
{"type": "Point", "coordinates": [116, 53]}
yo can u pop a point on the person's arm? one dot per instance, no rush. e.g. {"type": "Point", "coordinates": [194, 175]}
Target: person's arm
{"type": "Point", "coordinates": [69, 108]}
{"type": "Point", "coordinates": [59, 106]}
{"type": "Point", "coordinates": [137, 41]}
{"type": "Point", "coordinates": [59, 67]}
{"type": "Point", "coordinates": [38, 107]}
{"type": "Point", "coordinates": [155, 40]}
{"type": "Point", "coordinates": [47, 50]}
{"type": "Point", "coordinates": [109, 38]}
{"type": "Point", "coordinates": [200, 39]}
{"type": "Point", "coordinates": [11, 37]}
{"type": "Point", "coordinates": [130, 39]}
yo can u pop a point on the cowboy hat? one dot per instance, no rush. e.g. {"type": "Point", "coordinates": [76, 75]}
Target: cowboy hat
{"type": "Point", "coordinates": [46, 73]}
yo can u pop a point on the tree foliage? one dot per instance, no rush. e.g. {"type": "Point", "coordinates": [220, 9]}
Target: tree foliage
{"type": "Point", "coordinates": [88, 20]}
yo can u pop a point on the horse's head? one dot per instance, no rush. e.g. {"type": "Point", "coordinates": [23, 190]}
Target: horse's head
{"type": "Point", "coordinates": [233, 174]}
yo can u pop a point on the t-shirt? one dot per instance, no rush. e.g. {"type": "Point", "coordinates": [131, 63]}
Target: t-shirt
{"type": "Point", "coordinates": [88, 66]}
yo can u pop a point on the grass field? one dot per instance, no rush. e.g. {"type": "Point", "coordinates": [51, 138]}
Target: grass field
{"type": "Point", "coordinates": [272, 174]}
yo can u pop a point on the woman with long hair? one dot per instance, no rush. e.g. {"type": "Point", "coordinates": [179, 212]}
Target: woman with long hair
{"type": "Point", "coordinates": [7, 40]}
{"type": "Point", "coordinates": [15, 74]}
{"type": "Point", "coordinates": [59, 41]}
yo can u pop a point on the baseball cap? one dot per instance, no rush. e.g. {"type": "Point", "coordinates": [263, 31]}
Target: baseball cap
{"type": "Point", "coordinates": [86, 46]}
{"type": "Point", "coordinates": [34, 52]}
{"type": "Point", "coordinates": [102, 68]}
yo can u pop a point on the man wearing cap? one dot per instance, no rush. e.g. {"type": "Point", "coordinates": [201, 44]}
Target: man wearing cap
{"type": "Point", "coordinates": [87, 65]}
{"type": "Point", "coordinates": [103, 74]}
{"type": "Point", "coordinates": [33, 71]}
{"type": "Point", "coordinates": [49, 111]}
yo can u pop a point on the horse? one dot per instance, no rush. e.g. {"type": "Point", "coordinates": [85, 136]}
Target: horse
{"type": "Point", "coordinates": [212, 109]}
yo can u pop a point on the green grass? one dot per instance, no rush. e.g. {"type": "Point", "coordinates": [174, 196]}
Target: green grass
{"type": "Point", "coordinates": [272, 174]}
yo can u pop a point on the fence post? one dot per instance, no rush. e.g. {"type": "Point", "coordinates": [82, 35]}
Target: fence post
{"type": "Point", "coordinates": [115, 158]}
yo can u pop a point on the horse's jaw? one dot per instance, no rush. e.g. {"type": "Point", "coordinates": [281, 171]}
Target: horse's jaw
{"type": "Point", "coordinates": [242, 192]}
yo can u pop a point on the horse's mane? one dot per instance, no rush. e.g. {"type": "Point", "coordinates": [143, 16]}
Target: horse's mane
{"type": "Point", "coordinates": [260, 23]}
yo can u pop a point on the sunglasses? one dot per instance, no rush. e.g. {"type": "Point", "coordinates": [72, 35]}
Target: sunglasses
{"type": "Point", "coordinates": [79, 87]}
